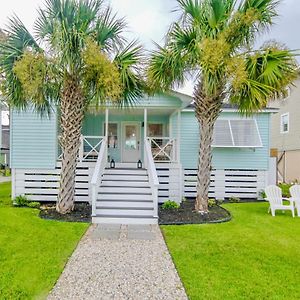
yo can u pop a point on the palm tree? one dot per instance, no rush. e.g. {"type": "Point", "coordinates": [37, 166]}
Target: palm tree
{"type": "Point", "coordinates": [76, 57]}
{"type": "Point", "coordinates": [213, 43]}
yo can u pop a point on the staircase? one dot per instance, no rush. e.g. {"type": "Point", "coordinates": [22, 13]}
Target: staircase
{"type": "Point", "coordinates": [125, 197]}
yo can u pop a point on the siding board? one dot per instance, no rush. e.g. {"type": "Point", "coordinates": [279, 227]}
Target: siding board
{"type": "Point", "coordinates": [33, 139]}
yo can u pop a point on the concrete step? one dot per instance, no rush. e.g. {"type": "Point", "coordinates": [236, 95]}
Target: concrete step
{"type": "Point", "coordinates": [103, 219]}
{"type": "Point", "coordinates": [124, 212]}
{"type": "Point", "coordinates": [124, 204]}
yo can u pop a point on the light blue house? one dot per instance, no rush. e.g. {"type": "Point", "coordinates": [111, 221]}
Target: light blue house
{"type": "Point", "coordinates": [132, 159]}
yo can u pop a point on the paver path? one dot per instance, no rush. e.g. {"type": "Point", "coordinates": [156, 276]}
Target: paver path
{"type": "Point", "coordinates": [120, 262]}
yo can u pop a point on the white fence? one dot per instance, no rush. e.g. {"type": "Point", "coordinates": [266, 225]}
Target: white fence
{"type": "Point", "coordinates": [43, 185]}
{"type": "Point", "coordinates": [228, 183]}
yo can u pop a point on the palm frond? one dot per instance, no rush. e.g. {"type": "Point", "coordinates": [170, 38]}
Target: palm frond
{"type": "Point", "coordinates": [270, 71]}
{"type": "Point", "coordinates": [18, 40]}
{"type": "Point", "coordinates": [129, 62]}
{"type": "Point", "coordinates": [166, 69]}
{"type": "Point", "coordinates": [108, 30]}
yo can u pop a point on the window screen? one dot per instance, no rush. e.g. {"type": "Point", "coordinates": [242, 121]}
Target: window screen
{"type": "Point", "coordinates": [222, 134]}
{"type": "Point", "coordinates": [236, 133]}
{"type": "Point", "coordinates": [245, 133]}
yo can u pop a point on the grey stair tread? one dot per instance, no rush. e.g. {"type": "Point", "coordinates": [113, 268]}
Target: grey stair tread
{"type": "Point", "coordinates": [125, 200]}
{"type": "Point", "coordinates": [124, 208]}
{"type": "Point", "coordinates": [124, 216]}
{"type": "Point", "coordinates": [125, 187]}
{"type": "Point", "coordinates": [126, 168]}
{"type": "Point", "coordinates": [125, 180]}
{"type": "Point", "coordinates": [122, 193]}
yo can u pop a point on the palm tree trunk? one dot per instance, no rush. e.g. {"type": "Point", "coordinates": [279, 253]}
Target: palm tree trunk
{"type": "Point", "coordinates": [72, 113]}
{"type": "Point", "coordinates": [207, 110]}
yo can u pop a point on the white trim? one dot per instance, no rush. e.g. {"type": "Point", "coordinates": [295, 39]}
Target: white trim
{"type": "Point", "coordinates": [177, 158]}
{"type": "Point", "coordinates": [288, 122]}
{"type": "Point", "coordinates": [106, 124]}
{"type": "Point", "coordinates": [269, 110]}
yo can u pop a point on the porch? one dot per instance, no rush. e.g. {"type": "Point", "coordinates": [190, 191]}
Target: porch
{"type": "Point", "coordinates": [127, 131]}
{"type": "Point", "coordinates": [134, 154]}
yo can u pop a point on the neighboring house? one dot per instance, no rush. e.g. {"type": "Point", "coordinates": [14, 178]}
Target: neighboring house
{"type": "Point", "coordinates": [285, 135]}
{"type": "Point", "coordinates": [162, 133]}
{"type": "Point", "coordinates": [4, 135]}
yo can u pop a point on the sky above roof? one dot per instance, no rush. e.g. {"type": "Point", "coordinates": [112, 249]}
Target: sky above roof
{"type": "Point", "coordinates": [149, 20]}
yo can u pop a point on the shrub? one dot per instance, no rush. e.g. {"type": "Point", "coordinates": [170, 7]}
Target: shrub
{"type": "Point", "coordinates": [170, 205]}
{"type": "Point", "coordinates": [262, 194]}
{"type": "Point", "coordinates": [219, 201]}
{"type": "Point", "coordinates": [21, 201]}
{"type": "Point", "coordinates": [234, 200]}
{"type": "Point", "coordinates": [34, 204]}
{"type": "Point", "coordinates": [212, 202]}
{"type": "Point", "coordinates": [285, 187]}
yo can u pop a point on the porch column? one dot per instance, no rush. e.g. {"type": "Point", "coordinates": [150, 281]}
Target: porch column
{"type": "Point", "coordinates": [145, 123]}
{"type": "Point", "coordinates": [106, 124]}
{"type": "Point", "coordinates": [145, 131]}
{"type": "Point", "coordinates": [178, 134]}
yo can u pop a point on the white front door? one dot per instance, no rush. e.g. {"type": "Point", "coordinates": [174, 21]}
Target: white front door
{"type": "Point", "coordinates": [131, 142]}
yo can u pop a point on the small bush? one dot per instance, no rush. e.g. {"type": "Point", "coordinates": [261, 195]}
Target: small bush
{"type": "Point", "coordinates": [21, 201]}
{"type": "Point", "coordinates": [234, 200]}
{"type": "Point", "coordinates": [170, 205]}
{"type": "Point", "coordinates": [212, 202]}
{"type": "Point", "coordinates": [219, 201]}
{"type": "Point", "coordinates": [262, 194]}
{"type": "Point", "coordinates": [34, 204]}
{"type": "Point", "coordinates": [285, 187]}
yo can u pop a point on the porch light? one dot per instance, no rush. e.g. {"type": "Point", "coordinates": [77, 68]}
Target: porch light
{"type": "Point", "coordinates": [139, 164]}
{"type": "Point", "coordinates": [112, 164]}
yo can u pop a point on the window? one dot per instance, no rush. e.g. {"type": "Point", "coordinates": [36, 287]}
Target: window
{"type": "Point", "coordinates": [284, 123]}
{"type": "Point", "coordinates": [240, 133]}
{"type": "Point", "coordinates": [112, 135]}
{"type": "Point", "coordinates": [155, 130]}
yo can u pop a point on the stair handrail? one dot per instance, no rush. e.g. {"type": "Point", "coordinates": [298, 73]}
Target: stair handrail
{"type": "Point", "coordinates": [98, 172]}
{"type": "Point", "coordinates": [153, 178]}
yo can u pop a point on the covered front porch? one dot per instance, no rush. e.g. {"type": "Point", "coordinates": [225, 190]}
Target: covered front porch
{"type": "Point", "coordinates": [127, 130]}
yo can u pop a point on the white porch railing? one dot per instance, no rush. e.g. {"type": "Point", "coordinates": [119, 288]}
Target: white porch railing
{"type": "Point", "coordinates": [152, 174]}
{"type": "Point", "coordinates": [89, 148]}
{"type": "Point", "coordinates": [163, 149]}
{"type": "Point", "coordinates": [99, 170]}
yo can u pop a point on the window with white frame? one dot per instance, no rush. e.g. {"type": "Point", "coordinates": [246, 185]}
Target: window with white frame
{"type": "Point", "coordinates": [239, 133]}
{"type": "Point", "coordinates": [284, 123]}
{"type": "Point", "coordinates": [112, 135]}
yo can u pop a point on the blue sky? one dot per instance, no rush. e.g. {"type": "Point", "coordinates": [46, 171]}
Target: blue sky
{"type": "Point", "coordinates": [148, 20]}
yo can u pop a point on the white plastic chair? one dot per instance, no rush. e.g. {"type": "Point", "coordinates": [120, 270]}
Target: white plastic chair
{"type": "Point", "coordinates": [295, 195]}
{"type": "Point", "coordinates": [274, 196]}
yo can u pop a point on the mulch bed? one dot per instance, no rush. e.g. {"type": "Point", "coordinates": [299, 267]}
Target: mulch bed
{"type": "Point", "coordinates": [81, 213]}
{"type": "Point", "coordinates": [187, 215]}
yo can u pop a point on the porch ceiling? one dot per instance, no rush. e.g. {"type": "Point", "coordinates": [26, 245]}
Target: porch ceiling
{"type": "Point", "coordinates": [140, 112]}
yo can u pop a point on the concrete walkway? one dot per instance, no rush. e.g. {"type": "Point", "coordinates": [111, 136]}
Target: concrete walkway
{"type": "Point", "coordinates": [120, 262]}
{"type": "Point", "coordinates": [4, 179]}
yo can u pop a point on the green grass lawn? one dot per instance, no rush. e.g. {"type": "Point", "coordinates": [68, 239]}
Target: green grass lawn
{"type": "Point", "coordinates": [33, 251]}
{"type": "Point", "coordinates": [255, 256]}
